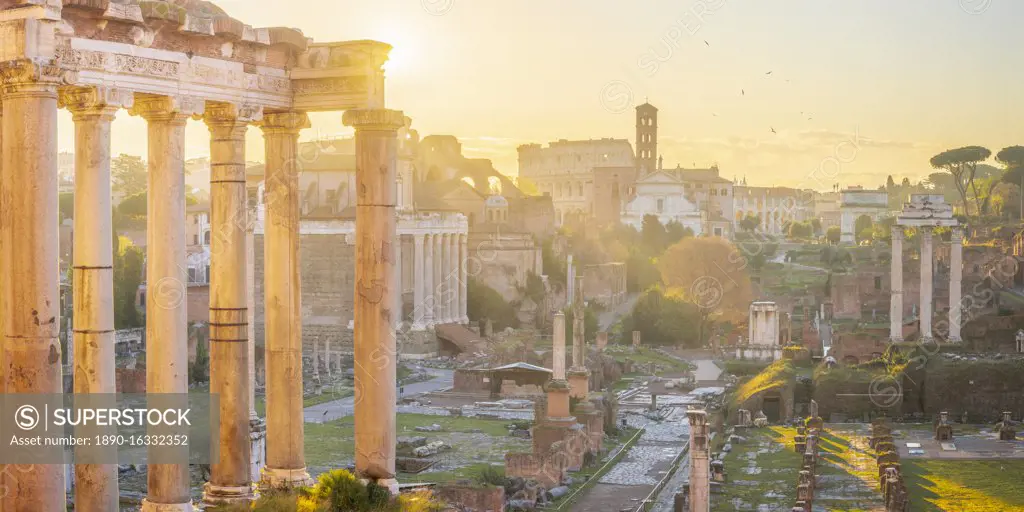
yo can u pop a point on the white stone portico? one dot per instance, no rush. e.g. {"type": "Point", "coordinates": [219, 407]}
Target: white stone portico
{"type": "Point", "coordinates": [762, 333]}
{"type": "Point", "coordinates": [925, 212]}
{"type": "Point", "coordinates": [168, 62]}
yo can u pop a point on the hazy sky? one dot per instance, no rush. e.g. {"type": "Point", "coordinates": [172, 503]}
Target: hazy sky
{"type": "Point", "coordinates": [857, 90]}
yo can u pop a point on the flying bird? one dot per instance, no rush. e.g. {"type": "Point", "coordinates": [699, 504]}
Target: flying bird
{"type": "Point", "coordinates": [772, 129]}
{"type": "Point", "coordinates": [706, 43]}
{"type": "Point", "coordinates": [714, 114]}
{"type": "Point", "coordinates": [743, 93]}
{"type": "Point", "coordinates": [768, 73]}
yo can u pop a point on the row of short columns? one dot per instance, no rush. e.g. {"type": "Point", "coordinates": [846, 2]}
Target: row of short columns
{"type": "Point", "coordinates": [439, 279]}
{"type": "Point", "coordinates": [926, 292]}
{"type": "Point", "coordinates": [29, 312]}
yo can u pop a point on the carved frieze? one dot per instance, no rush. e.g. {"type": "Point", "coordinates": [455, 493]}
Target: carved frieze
{"type": "Point", "coordinates": [338, 85]}
{"type": "Point", "coordinates": [115, 62]}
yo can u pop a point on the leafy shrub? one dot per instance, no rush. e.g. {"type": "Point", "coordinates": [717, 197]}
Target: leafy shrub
{"type": "Point", "coordinates": [485, 302]}
{"type": "Point", "coordinates": [491, 475]}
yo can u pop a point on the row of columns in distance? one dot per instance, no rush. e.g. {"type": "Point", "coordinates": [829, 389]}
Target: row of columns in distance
{"type": "Point", "coordinates": [439, 277]}
{"type": "Point", "coordinates": [925, 310]}
{"type": "Point", "coordinates": [29, 311]}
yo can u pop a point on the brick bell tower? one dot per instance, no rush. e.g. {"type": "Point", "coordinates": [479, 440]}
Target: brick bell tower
{"type": "Point", "coordinates": [646, 139]}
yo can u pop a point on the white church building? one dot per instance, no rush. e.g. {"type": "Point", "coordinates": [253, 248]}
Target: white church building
{"type": "Point", "coordinates": [663, 195]}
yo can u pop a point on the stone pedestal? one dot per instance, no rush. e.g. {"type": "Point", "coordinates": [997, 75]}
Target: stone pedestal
{"type": "Point", "coordinates": [579, 383]}
{"type": "Point", "coordinates": [558, 402]}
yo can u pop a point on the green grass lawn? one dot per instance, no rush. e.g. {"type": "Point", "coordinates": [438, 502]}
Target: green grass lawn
{"type": "Point", "coordinates": [643, 357]}
{"type": "Point", "coordinates": [954, 485]}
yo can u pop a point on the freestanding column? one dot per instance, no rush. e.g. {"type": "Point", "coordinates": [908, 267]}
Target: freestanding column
{"type": "Point", "coordinates": [229, 315]}
{"type": "Point", "coordinates": [896, 287]}
{"type": "Point", "coordinates": [579, 375]}
{"type": "Point", "coordinates": [250, 309]}
{"type": "Point", "coordinates": [376, 357]}
{"type": "Point", "coordinates": [32, 305]}
{"type": "Point", "coordinates": [700, 485]}
{"type": "Point", "coordinates": [449, 282]}
{"type": "Point", "coordinates": [453, 281]}
{"type": "Point", "coordinates": [463, 280]}
{"type": "Point", "coordinates": [956, 269]}
{"type": "Point", "coordinates": [286, 462]}
{"type": "Point", "coordinates": [419, 312]}
{"type": "Point", "coordinates": [93, 272]}
{"type": "Point", "coordinates": [166, 315]}
{"type": "Point", "coordinates": [427, 305]}
{"type": "Point", "coordinates": [926, 283]}
{"type": "Point", "coordinates": [558, 387]}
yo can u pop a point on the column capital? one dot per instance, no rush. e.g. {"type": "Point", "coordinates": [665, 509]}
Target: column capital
{"type": "Point", "coordinates": [27, 77]}
{"type": "Point", "coordinates": [85, 102]}
{"type": "Point", "coordinates": [287, 122]}
{"type": "Point", "coordinates": [229, 115]}
{"type": "Point", "coordinates": [173, 109]}
{"type": "Point", "coordinates": [957, 235]}
{"type": "Point", "coordinates": [897, 232]}
{"type": "Point", "coordinates": [381, 119]}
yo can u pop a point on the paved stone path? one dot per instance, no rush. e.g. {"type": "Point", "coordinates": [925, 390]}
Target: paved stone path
{"type": "Point", "coordinates": [706, 370]}
{"type": "Point", "coordinates": [607, 318]}
{"type": "Point", "coordinates": [330, 411]}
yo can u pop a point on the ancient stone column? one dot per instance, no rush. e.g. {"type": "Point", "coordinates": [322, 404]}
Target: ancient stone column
{"type": "Point", "coordinates": [956, 270]}
{"type": "Point", "coordinates": [417, 283]}
{"type": "Point", "coordinates": [444, 291]}
{"type": "Point", "coordinates": [229, 315]}
{"type": "Point", "coordinates": [700, 486]}
{"type": "Point", "coordinates": [579, 375]}
{"type": "Point", "coordinates": [397, 308]}
{"type": "Point", "coordinates": [286, 462]}
{"type": "Point", "coordinates": [463, 279]}
{"type": "Point", "coordinates": [558, 387]}
{"type": "Point", "coordinates": [439, 275]}
{"type": "Point", "coordinates": [32, 360]}
{"type": "Point", "coordinates": [250, 308]}
{"type": "Point", "coordinates": [376, 356]}
{"type": "Point", "coordinates": [427, 303]}
{"type": "Point", "coordinates": [454, 302]}
{"type": "Point", "coordinates": [896, 286]}
{"type": "Point", "coordinates": [93, 272]}
{"type": "Point", "coordinates": [926, 283]}
{"type": "Point", "coordinates": [166, 278]}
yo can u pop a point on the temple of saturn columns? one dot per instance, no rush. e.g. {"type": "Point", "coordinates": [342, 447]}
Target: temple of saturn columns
{"type": "Point", "coordinates": [168, 62]}
{"type": "Point", "coordinates": [925, 212]}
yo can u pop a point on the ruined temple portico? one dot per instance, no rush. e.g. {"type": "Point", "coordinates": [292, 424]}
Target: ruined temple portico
{"type": "Point", "coordinates": [925, 212]}
{"type": "Point", "coordinates": [95, 57]}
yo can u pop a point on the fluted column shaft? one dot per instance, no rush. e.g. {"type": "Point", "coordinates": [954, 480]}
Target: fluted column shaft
{"type": "Point", "coordinates": [926, 283]}
{"type": "Point", "coordinates": [93, 276]}
{"type": "Point", "coordinates": [229, 314]}
{"type": "Point", "coordinates": [250, 301]}
{"type": "Point", "coordinates": [32, 305]}
{"type": "Point", "coordinates": [453, 269]}
{"type": "Point", "coordinates": [418, 284]}
{"type": "Point", "coordinates": [286, 461]}
{"type": "Point", "coordinates": [896, 287]}
{"type": "Point", "coordinates": [446, 290]}
{"type": "Point", "coordinates": [397, 307]}
{"type": "Point", "coordinates": [166, 313]}
{"type": "Point", "coordinates": [956, 269]}
{"type": "Point", "coordinates": [375, 350]}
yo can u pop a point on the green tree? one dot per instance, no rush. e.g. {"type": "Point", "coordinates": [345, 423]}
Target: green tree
{"type": "Point", "coordinates": [590, 325]}
{"type": "Point", "coordinates": [962, 165]}
{"type": "Point", "coordinates": [1012, 157]}
{"type": "Point", "coordinates": [749, 223]}
{"type": "Point", "coordinates": [653, 235]}
{"type": "Point", "coordinates": [800, 230]}
{"type": "Point", "coordinates": [863, 225]}
{"type": "Point", "coordinates": [641, 271]}
{"type": "Point", "coordinates": [66, 203]}
{"type": "Point", "coordinates": [199, 371]}
{"type": "Point", "coordinates": [816, 226]}
{"type": "Point", "coordinates": [664, 320]}
{"type": "Point", "coordinates": [128, 174]}
{"type": "Point", "coordinates": [128, 274]}
{"type": "Point", "coordinates": [485, 302]}
{"type": "Point", "coordinates": [674, 232]}
{"type": "Point", "coordinates": [134, 206]}
{"type": "Point", "coordinates": [833, 235]}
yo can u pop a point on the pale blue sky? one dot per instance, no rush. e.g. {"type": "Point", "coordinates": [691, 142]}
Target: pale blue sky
{"type": "Point", "coordinates": [905, 78]}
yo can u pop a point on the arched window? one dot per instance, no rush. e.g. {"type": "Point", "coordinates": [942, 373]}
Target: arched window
{"type": "Point", "coordinates": [206, 238]}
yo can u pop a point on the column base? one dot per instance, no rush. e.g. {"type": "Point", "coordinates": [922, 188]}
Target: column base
{"type": "Point", "coordinates": [273, 478]}
{"type": "Point", "coordinates": [226, 495]}
{"type": "Point", "coordinates": [149, 506]}
{"type": "Point", "coordinates": [388, 483]}
{"type": "Point", "coordinates": [954, 339]}
{"type": "Point", "coordinates": [895, 339]}
{"type": "Point", "coordinates": [464, 320]}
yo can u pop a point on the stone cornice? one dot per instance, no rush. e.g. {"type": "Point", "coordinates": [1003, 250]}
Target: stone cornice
{"type": "Point", "coordinates": [378, 119]}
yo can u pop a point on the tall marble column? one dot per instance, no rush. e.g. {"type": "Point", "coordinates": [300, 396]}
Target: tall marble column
{"type": "Point", "coordinates": [32, 305]}
{"type": "Point", "coordinates": [93, 273]}
{"type": "Point", "coordinates": [427, 304]}
{"type": "Point", "coordinates": [438, 284]}
{"type": "Point", "coordinates": [166, 314]}
{"type": "Point", "coordinates": [579, 375]}
{"type": "Point", "coordinates": [396, 309]}
{"type": "Point", "coordinates": [926, 282]}
{"type": "Point", "coordinates": [558, 387]}
{"type": "Point", "coordinates": [419, 312]}
{"type": "Point", "coordinates": [956, 269]}
{"type": "Point", "coordinates": [250, 309]}
{"type": "Point", "coordinates": [700, 485]}
{"type": "Point", "coordinates": [896, 287]}
{"type": "Point", "coordinates": [463, 279]}
{"type": "Point", "coordinates": [375, 350]}
{"type": "Point", "coordinates": [286, 461]}
{"type": "Point", "coordinates": [229, 316]}
{"type": "Point", "coordinates": [448, 291]}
